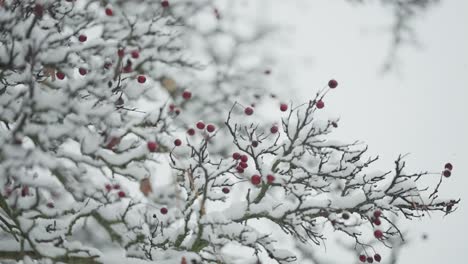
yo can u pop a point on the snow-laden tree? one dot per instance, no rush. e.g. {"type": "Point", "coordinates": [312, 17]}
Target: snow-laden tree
{"type": "Point", "coordinates": [128, 135]}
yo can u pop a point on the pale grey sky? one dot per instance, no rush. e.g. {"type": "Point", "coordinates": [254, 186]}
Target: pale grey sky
{"type": "Point", "coordinates": [421, 108]}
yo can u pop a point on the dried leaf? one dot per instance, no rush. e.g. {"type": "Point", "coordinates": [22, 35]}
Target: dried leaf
{"type": "Point", "coordinates": [49, 72]}
{"type": "Point", "coordinates": [169, 84]}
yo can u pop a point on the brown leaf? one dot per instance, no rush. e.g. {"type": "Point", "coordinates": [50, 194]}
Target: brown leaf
{"type": "Point", "coordinates": [169, 84]}
{"type": "Point", "coordinates": [49, 72]}
{"type": "Point", "coordinates": [145, 186]}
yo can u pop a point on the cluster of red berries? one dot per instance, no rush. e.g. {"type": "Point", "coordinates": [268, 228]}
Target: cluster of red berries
{"type": "Point", "coordinates": [332, 84]}
{"type": "Point", "coordinates": [210, 127]}
{"type": "Point", "coordinates": [242, 159]}
{"type": "Point", "coordinates": [173, 109]}
{"type": "Point", "coordinates": [376, 220]}
{"type": "Point", "coordinates": [257, 179]}
{"type": "Point", "coordinates": [448, 170]}
{"type": "Point", "coordinates": [120, 193]}
{"type": "Point", "coordinates": [370, 259]}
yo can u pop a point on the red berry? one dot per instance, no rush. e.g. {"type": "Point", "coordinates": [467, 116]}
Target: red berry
{"type": "Point", "coordinates": [38, 10]}
{"type": "Point", "coordinates": [152, 146]}
{"type": "Point", "coordinates": [377, 257]}
{"type": "Point", "coordinates": [60, 75]}
{"type": "Point", "coordinates": [283, 107]}
{"type": "Point", "coordinates": [165, 4]}
{"type": "Point", "coordinates": [239, 169]}
{"type": "Point", "coordinates": [226, 190]}
{"type": "Point", "coordinates": [447, 173]}
{"type": "Point", "coordinates": [50, 205]}
{"type": "Point", "coordinates": [256, 179]}
{"type": "Point", "coordinates": [254, 143]}
{"type": "Point", "coordinates": [377, 221]}
{"type": "Point", "coordinates": [320, 104]}
{"type": "Point", "coordinates": [177, 111]}
{"type": "Point", "coordinates": [82, 71]}
{"type": "Point", "coordinates": [113, 142]}
{"type": "Point", "coordinates": [200, 125]}
{"type": "Point", "coordinates": [362, 258]}
{"type": "Point", "coordinates": [171, 107]}
{"type": "Point", "coordinates": [270, 178]}
{"type": "Point", "coordinates": [108, 187]}
{"type": "Point", "coordinates": [378, 234]}
{"type": "Point", "coordinates": [449, 166]}
{"type": "Point", "coordinates": [377, 213]}
{"type": "Point", "coordinates": [274, 129]}
{"type": "Point", "coordinates": [135, 54]}
{"type": "Point", "coordinates": [121, 194]}
{"type": "Point", "coordinates": [332, 83]}
{"type": "Point", "coordinates": [141, 79]}
{"type": "Point", "coordinates": [116, 186]}
{"type": "Point", "coordinates": [24, 191]}
{"type": "Point", "coordinates": [109, 12]}
{"type": "Point", "coordinates": [243, 165]}
{"type": "Point", "coordinates": [244, 158]}
{"type": "Point", "coordinates": [191, 131]}
{"type": "Point", "coordinates": [120, 53]}
{"type": "Point", "coordinates": [236, 155]}
{"type": "Point", "coordinates": [248, 110]}
{"type": "Point", "coordinates": [370, 260]}
{"type": "Point", "coordinates": [82, 38]}
{"type": "Point", "coordinates": [163, 210]}
{"type": "Point", "coordinates": [107, 65]}
{"type": "Point", "coordinates": [186, 95]}
{"type": "Point", "coordinates": [127, 68]}
{"type": "Point", "coordinates": [210, 128]}
{"type": "Point", "coordinates": [177, 142]}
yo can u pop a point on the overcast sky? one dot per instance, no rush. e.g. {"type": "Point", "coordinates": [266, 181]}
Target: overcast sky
{"type": "Point", "coordinates": [420, 108]}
